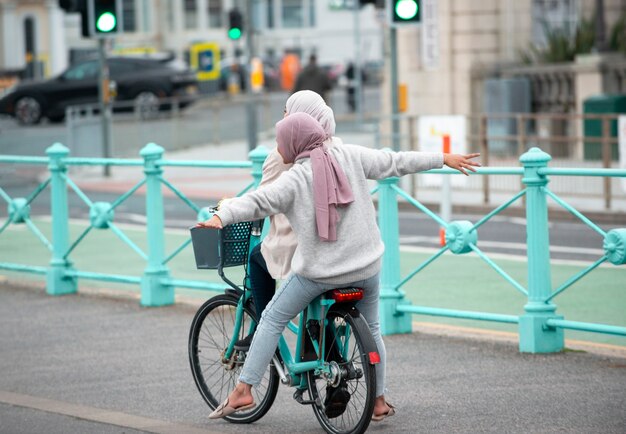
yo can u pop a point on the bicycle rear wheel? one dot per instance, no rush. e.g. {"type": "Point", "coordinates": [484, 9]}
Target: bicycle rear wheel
{"type": "Point", "coordinates": [348, 338]}
{"type": "Point", "coordinates": [210, 334]}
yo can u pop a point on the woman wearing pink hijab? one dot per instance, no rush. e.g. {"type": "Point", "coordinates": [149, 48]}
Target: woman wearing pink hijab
{"type": "Point", "coordinates": [325, 196]}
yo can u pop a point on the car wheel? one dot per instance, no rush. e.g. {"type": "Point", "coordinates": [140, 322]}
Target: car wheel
{"type": "Point", "coordinates": [28, 110]}
{"type": "Point", "coordinates": [147, 104]}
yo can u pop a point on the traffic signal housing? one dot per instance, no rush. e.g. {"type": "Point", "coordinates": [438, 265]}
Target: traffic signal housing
{"type": "Point", "coordinates": [105, 17]}
{"type": "Point", "coordinates": [405, 11]}
{"type": "Point", "coordinates": [235, 24]}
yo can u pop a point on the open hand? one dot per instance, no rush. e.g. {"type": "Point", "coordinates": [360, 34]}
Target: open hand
{"type": "Point", "coordinates": [461, 162]}
{"type": "Point", "coordinates": [213, 223]}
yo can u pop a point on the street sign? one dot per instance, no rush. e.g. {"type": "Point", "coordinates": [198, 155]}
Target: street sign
{"type": "Point", "coordinates": [205, 59]}
{"type": "Point", "coordinates": [431, 130]}
{"type": "Point", "coordinates": [430, 35]}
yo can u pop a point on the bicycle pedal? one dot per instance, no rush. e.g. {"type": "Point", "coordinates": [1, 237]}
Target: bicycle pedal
{"type": "Point", "coordinates": [297, 395]}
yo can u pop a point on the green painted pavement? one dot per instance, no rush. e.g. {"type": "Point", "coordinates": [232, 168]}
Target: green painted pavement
{"type": "Point", "coordinates": [456, 282]}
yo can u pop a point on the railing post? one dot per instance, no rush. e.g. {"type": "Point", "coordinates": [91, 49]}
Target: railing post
{"type": "Point", "coordinates": [153, 291]}
{"type": "Point", "coordinates": [391, 321]}
{"type": "Point", "coordinates": [535, 336]}
{"type": "Point", "coordinates": [57, 282]}
{"type": "Point", "coordinates": [258, 156]}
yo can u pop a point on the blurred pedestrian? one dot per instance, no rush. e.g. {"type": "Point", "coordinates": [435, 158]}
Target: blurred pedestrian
{"type": "Point", "coordinates": [313, 78]}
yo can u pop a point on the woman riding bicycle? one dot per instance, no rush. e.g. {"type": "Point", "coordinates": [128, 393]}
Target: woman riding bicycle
{"type": "Point", "coordinates": [326, 198]}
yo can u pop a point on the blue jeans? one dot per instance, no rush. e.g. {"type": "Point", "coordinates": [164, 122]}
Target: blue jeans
{"type": "Point", "coordinates": [290, 299]}
{"type": "Point", "coordinates": [262, 284]}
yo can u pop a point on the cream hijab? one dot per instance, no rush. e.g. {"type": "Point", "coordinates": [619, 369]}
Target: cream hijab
{"type": "Point", "coordinates": [307, 101]}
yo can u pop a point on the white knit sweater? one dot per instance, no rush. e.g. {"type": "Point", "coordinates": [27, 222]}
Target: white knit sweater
{"type": "Point", "coordinates": [356, 253]}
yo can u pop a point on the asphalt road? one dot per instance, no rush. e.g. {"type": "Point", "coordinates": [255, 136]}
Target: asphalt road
{"type": "Point", "coordinates": [70, 361]}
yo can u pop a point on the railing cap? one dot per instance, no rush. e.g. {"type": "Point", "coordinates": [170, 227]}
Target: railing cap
{"type": "Point", "coordinates": [259, 153]}
{"type": "Point", "coordinates": [535, 157]}
{"type": "Point", "coordinates": [57, 150]}
{"type": "Point", "coordinates": [151, 150]}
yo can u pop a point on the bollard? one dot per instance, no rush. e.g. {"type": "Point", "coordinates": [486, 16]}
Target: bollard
{"type": "Point", "coordinates": [535, 335]}
{"type": "Point", "coordinates": [258, 156]}
{"type": "Point", "coordinates": [57, 282]}
{"type": "Point", "coordinates": [391, 321]}
{"type": "Point", "coordinates": [153, 291]}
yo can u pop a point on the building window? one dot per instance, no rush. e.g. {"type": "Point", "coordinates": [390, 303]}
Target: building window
{"type": "Point", "coordinates": [129, 20]}
{"type": "Point", "coordinates": [553, 15]}
{"type": "Point", "coordinates": [191, 14]}
{"type": "Point", "coordinates": [292, 14]}
{"type": "Point", "coordinates": [311, 13]}
{"type": "Point", "coordinates": [215, 12]}
{"type": "Point", "coordinates": [269, 7]}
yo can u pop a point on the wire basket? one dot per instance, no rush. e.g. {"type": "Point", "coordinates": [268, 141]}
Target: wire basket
{"type": "Point", "coordinates": [227, 247]}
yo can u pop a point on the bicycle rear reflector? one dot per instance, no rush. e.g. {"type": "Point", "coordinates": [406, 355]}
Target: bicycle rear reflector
{"type": "Point", "coordinates": [346, 294]}
{"type": "Point", "coordinates": [374, 358]}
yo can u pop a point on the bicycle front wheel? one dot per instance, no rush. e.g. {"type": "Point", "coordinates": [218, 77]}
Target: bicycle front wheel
{"type": "Point", "coordinates": [344, 400]}
{"type": "Point", "coordinates": [215, 376]}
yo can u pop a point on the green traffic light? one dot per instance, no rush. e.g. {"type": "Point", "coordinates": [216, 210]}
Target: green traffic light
{"type": "Point", "coordinates": [106, 22]}
{"type": "Point", "coordinates": [234, 33]}
{"type": "Point", "coordinates": [406, 9]}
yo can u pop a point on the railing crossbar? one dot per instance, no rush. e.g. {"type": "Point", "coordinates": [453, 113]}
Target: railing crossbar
{"type": "Point", "coordinates": [453, 313]}
{"type": "Point", "coordinates": [78, 240]}
{"type": "Point", "coordinates": [576, 278]}
{"type": "Point", "coordinates": [374, 190]}
{"type": "Point", "coordinates": [564, 171]}
{"type": "Point", "coordinates": [180, 194]}
{"type": "Point", "coordinates": [24, 160]}
{"type": "Point", "coordinates": [5, 196]}
{"type": "Point", "coordinates": [423, 265]}
{"type": "Point", "coordinates": [497, 210]}
{"type": "Point", "coordinates": [5, 225]}
{"type": "Point", "coordinates": [177, 251]}
{"type": "Point", "coordinates": [127, 240]}
{"type": "Point", "coordinates": [587, 327]}
{"type": "Point", "coordinates": [103, 277]}
{"type": "Point", "coordinates": [129, 193]}
{"type": "Point", "coordinates": [499, 270]}
{"type": "Point", "coordinates": [78, 191]}
{"type": "Point", "coordinates": [207, 164]}
{"type": "Point", "coordinates": [419, 206]}
{"type": "Point", "coordinates": [193, 285]}
{"type": "Point", "coordinates": [246, 189]}
{"type": "Point", "coordinates": [575, 212]}
{"type": "Point", "coordinates": [37, 191]}
{"type": "Point", "coordinates": [102, 162]}
{"type": "Point", "coordinates": [23, 268]}
{"type": "Point", "coordinates": [38, 233]}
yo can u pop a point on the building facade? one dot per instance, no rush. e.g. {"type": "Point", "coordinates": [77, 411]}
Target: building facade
{"type": "Point", "coordinates": [37, 34]}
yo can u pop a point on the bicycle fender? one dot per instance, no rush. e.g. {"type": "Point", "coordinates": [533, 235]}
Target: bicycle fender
{"type": "Point", "coordinates": [373, 358]}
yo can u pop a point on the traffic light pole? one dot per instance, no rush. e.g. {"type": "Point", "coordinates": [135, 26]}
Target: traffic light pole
{"type": "Point", "coordinates": [251, 104]}
{"type": "Point", "coordinates": [358, 76]}
{"type": "Point", "coordinates": [105, 103]}
{"type": "Point", "coordinates": [395, 113]}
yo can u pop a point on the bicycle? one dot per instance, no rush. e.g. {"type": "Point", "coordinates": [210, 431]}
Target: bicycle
{"type": "Point", "coordinates": [336, 353]}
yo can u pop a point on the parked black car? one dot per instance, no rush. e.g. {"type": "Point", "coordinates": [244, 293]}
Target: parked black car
{"type": "Point", "coordinates": [142, 80]}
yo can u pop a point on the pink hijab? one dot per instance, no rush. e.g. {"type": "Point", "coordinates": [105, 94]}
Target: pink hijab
{"type": "Point", "coordinates": [299, 135]}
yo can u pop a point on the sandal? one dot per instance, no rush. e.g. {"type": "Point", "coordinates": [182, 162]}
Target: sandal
{"type": "Point", "coordinates": [381, 417]}
{"type": "Point", "coordinates": [224, 410]}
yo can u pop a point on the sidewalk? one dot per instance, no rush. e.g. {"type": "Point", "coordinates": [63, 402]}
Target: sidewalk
{"type": "Point", "coordinates": [200, 183]}
{"type": "Point", "coordinates": [82, 363]}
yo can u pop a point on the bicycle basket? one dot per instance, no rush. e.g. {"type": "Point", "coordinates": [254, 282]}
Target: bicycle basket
{"type": "Point", "coordinates": [227, 247]}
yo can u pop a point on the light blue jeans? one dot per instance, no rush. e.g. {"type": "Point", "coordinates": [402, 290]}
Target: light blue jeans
{"type": "Point", "coordinates": [290, 299]}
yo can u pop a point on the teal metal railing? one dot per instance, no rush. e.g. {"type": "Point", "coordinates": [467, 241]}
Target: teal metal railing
{"type": "Point", "coordinates": [157, 285]}
{"type": "Point", "coordinates": [540, 328]}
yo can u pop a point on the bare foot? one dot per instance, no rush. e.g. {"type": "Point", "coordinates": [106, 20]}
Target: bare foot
{"type": "Point", "coordinates": [241, 395]}
{"type": "Point", "coordinates": [380, 406]}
